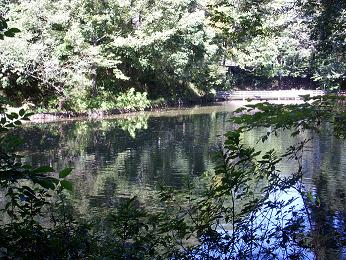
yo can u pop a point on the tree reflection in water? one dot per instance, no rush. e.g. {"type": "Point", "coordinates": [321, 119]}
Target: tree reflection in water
{"type": "Point", "coordinates": [115, 159]}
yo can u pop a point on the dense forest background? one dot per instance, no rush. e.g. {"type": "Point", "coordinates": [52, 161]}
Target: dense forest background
{"type": "Point", "coordinates": [81, 54]}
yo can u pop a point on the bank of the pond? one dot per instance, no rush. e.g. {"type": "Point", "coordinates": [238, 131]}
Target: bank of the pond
{"type": "Point", "coordinates": [47, 117]}
{"type": "Point", "coordinates": [162, 105]}
{"type": "Point", "coordinates": [99, 113]}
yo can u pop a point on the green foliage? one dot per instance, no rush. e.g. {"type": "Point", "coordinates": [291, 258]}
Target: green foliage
{"type": "Point", "coordinates": [275, 43]}
{"type": "Point", "coordinates": [72, 55]}
{"type": "Point", "coordinates": [28, 195]}
{"type": "Point", "coordinates": [132, 99]}
{"type": "Point", "coordinates": [5, 31]}
{"type": "Point", "coordinates": [275, 39]}
{"type": "Point", "coordinates": [73, 52]}
{"type": "Point", "coordinates": [326, 20]}
{"type": "Point", "coordinates": [107, 101]}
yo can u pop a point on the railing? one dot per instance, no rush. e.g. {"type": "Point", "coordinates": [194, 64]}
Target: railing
{"type": "Point", "coordinates": [270, 94]}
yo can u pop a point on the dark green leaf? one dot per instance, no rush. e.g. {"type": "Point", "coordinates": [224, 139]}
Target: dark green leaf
{"type": "Point", "coordinates": [11, 32]}
{"type": "Point", "coordinates": [46, 183]}
{"type": "Point", "coordinates": [21, 112]}
{"type": "Point", "coordinates": [66, 185]}
{"type": "Point", "coordinates": [43, 169]}
{"type": "Point", "coordinates": [65, 172]}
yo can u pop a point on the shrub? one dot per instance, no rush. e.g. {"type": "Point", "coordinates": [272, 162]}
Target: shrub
{"type": "Point", "coordinates": [132, 99]}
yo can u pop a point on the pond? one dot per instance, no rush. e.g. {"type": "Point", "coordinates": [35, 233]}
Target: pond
{"type": "Point", "coordinates": [122, 156]}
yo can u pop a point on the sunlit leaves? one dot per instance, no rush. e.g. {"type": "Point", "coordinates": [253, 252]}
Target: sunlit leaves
{"type": "Point", "coordinates": [73, 51]}
{"type": "Point", "coordinates": [326, 20]}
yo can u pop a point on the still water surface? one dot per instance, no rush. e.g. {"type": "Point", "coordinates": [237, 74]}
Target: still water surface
{"type": "Point", "coordinates": [136, 154]}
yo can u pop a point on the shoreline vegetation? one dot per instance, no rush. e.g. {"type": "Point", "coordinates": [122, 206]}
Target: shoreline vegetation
{"type": "Point", "coordinates": [81, 55]}
{"type": "Point", "coordinates": [51, 116]}
{"type": "Point", "coordinates": [55, 116]}
{"type": "Point", "coordinates": [154, 106]}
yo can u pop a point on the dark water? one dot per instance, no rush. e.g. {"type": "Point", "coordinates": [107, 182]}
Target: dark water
{"type": "Point", "coordinates": [133, 154]}
{"type": "Point", "coordinates": [136, 154]}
